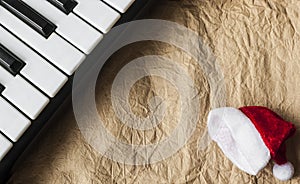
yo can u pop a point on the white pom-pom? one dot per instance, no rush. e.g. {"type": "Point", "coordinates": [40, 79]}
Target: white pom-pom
{"type": "Point", "coordinates": [283, 172]}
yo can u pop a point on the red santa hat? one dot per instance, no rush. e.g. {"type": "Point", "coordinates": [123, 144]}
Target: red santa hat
{"type": "Point", "coordinates": [251, 136]}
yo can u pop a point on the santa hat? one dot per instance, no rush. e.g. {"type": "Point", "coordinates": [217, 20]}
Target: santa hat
{"type": "Point", "coordinates": [251, 136]}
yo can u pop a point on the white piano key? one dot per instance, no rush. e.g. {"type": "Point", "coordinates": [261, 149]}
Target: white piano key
{"type": "Point", "coordinates": [55, 49]}
{"type": "Point", "coordinates": [120, 5]}
{"type": "Point", "coordinates": [71, 27]}
{"type": "Point", "coordinates": [37, 69]}
{"type": "Point", "coordinates": [5, 146]}
{"type": "Point", "coordinates": [12, 123]}
{"type": "Point", "coordinates": [23, 95]}
{"type": "Point", "coordinates": [97, 13]}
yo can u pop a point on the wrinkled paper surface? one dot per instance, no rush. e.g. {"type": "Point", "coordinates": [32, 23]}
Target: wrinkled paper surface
{"type": "Point", "coordinates": [256, 44]}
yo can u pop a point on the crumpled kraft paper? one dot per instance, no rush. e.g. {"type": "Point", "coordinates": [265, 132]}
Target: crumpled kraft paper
{"type": "Point", "coordinates": [256, 44]}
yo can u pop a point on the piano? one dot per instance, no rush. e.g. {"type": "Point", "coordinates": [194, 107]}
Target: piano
{"type": "Point", "coordinates": [42, 43]}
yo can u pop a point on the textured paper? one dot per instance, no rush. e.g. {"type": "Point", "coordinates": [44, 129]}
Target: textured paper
{"type": "Point", "coordinates": [257, 45]}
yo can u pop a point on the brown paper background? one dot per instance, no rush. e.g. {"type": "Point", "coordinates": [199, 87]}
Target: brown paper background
{"type": "Point", "coordinates": [257, 43]}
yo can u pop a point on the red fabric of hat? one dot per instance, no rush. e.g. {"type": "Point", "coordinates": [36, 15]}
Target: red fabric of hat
{"type": "Point", "coordinates": [251, 136]}
{"type": "Point", "coordinates": [273, 130]}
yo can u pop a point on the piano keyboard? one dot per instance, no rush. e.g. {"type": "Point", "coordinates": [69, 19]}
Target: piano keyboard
{"type": "Point", "coordinates": [42, 43]}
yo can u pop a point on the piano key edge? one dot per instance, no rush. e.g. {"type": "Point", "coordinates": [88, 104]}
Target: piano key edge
{"type": "Point", "coordinates": [19, 151]}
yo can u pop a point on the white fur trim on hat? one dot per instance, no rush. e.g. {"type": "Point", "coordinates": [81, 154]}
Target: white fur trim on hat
{"type": "Point", "coordinates": [238, 138]}
{"type": "Point", "coordinates": [283, 172]}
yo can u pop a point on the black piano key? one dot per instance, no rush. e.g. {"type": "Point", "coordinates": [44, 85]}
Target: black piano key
{"type": "Point", "coordinates": [29, 16]}
{"type": "Point", "coordinates": [1, 88]}
{"type": "Point", "coordinates": [9, 61]}
{"type": "Point", "coordinates": [66, 6]}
